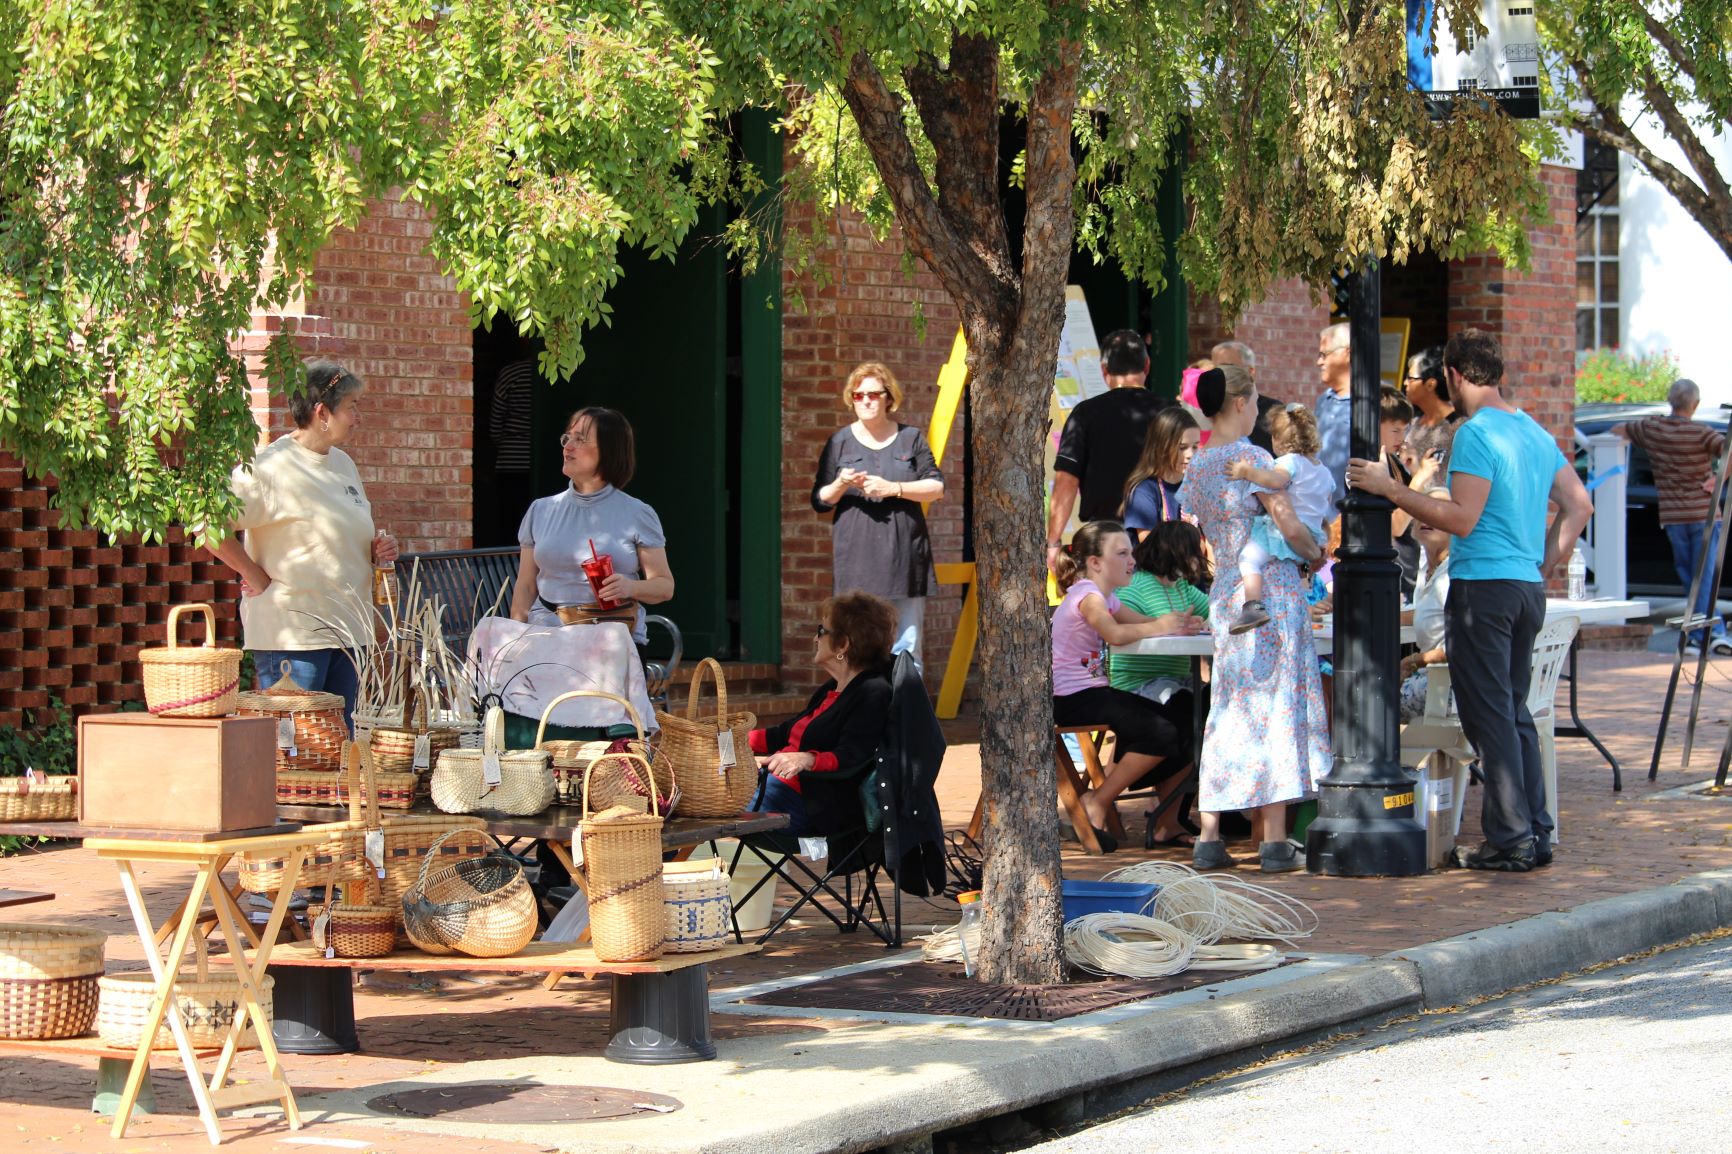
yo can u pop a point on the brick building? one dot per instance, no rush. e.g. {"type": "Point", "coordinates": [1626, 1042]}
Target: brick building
{"type": "Point", "coordinates": [732, 396]}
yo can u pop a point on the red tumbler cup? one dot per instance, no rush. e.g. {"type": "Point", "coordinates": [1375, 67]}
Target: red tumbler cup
{"type": "Point", "coordinates": [598, 569]}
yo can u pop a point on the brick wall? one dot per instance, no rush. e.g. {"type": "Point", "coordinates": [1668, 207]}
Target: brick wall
{"type": "Point", "coordinates": [866, 312]}
{"type": "Point", "coordinates": [1281, 329]}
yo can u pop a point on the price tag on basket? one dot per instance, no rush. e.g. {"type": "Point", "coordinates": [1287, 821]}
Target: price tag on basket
{"type": "Point", "coordinates": [286, 735]}
{"type": "Point", "coordinates": [725, 751]}
{"type": "Point", "coordinates": [423, 751]}
{"type": "Point", "coordinates": [374, 849]}
{"type": "Point", "coordinates": [490, 773]}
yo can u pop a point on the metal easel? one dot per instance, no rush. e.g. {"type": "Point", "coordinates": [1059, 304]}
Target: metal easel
{"type": "Point", "coordinates": [1691, 621]}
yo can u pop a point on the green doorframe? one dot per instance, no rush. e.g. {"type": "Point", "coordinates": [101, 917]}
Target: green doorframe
{"type": "Point", "coordinates": [1169, 311]}
{"type": "Point", "coordinates": [760, 546]}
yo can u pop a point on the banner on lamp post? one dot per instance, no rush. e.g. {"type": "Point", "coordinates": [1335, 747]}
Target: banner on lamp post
{"type": "Point", "coordinates": [1500, 65]}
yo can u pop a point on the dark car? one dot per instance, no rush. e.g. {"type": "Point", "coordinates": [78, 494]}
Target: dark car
{"type": "Point", "coordinates": [1647, 553]}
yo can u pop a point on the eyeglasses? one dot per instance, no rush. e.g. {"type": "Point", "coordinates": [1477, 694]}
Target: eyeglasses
{"type": "Point", "coordinates": [567, 440]}
{"type": "Point", "coordinates": [865, 396]}
{"type": "Point", "coordinates": [822, 631]}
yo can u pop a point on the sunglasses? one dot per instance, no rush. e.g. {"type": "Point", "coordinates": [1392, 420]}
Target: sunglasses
{"type": "Point", "coordinates": [864, 396]}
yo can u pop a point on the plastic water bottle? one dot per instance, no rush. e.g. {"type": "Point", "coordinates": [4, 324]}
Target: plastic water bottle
{"type": "Point", "coordinates": [968, 928]}
{"type": "Point", "coordinates": [1578, 575]}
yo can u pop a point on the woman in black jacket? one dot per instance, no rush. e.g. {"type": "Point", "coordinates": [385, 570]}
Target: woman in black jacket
{"type": "Point", "coordinates": [814, 762]}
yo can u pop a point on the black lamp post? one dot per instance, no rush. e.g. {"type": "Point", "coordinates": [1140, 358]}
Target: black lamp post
{"type": "Point", "coordinates": [1366, 822]}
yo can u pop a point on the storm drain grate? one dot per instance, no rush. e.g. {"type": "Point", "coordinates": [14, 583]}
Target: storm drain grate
{"type": "Point", "coordinates": [526, 1102]}
{"type": "Point", "coordinates": [942, 989]}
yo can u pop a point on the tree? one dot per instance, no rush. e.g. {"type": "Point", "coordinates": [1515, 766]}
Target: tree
{"type": "Point", "coordinates": [154, 161]}
{"type": "Point", "coordinates": [1627, 67]}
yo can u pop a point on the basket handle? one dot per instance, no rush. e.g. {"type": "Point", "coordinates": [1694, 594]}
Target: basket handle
{"type": "Point", "coordinates": [209, 625]}
{"type": "Point", "coordinates": [433, 850]}
{"type": "Point", "coordinates": [541, 730]}
{"type": "Point", "coordinates": [714, 668]}
{"type": "Point", "coordinates": [363, 788]}
{"type": "Point", "coordinates": [648, 775]}
{"type": "Point", "coordinates": [493, 731]}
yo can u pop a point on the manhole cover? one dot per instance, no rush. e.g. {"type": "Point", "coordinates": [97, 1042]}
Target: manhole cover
{"type": "Point", "coordinates": [523, 1102]}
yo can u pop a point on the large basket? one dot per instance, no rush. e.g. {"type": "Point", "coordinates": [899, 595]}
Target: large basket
{"type": "Point", "coordinates": [191, 680]}
{"type": "Point", "coordinates": [394, 745]}
{"type": "Point", "coordinates": [622, 861]}
{"type": "Point", "coordinates": [310, 726]}
{"type": "Point", "coordinates": [699, 906]}
{"type": "Point", "coordinates": [482, 907]}
{"type": "Point", "coordinates": [341, 856]}
{"type": "Point", "coordinates": [525, 780]}
{"type": "Point", "coordinates": [693, 744]}
{"type": "Point", "coordinates": [616, 780]}
{"type": "Point", "coordinates": [354, 931]}
{"type": "Point", "coordinates": [35, 797]}
{"type": "Point", "coordinates": [48, 978]}
{"type": "Point", "coordinates": [411, 839]}
{"type": "Point", "coordinates": [208, 1007]}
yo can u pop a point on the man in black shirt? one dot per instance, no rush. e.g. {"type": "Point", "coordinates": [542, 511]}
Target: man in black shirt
{"type": "Point", "coordinates": [1102, 439]}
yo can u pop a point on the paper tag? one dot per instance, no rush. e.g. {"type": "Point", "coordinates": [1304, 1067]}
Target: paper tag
{"type": "Point", "coordinates": [286, 733]}
{"type": "Point", "coordinates": [330, 951]}
{"type": "Point", "coordinates": [577, 850]}
{"type": "Point", "coordinates": [322, 932]}
{"type": "Point", "coordinates": [725, 747]}
{"type": "Point", "coordinates": [814, 848]}
{"type": "Point", "coordinates": [375, 849]}
{"type": "Point", "coordinates": [490, 774]}
{"type": "Point", "coordinates": [423, 751]}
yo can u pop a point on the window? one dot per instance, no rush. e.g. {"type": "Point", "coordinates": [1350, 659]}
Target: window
{"type": "Point", "coordinates": [1597, 223]}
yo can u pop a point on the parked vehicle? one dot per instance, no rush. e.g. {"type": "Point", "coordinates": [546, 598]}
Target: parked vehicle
{"type": "Point", "coordinates": [1648, 555]}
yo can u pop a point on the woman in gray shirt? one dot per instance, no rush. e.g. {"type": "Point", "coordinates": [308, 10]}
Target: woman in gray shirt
{"type": "Point", "coordinates": [557, 531]}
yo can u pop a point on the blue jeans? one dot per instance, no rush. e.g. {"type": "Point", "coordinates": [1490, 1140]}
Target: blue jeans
{"type": "Point", "coordinates": [330, 670]}
{"type": "Point", "coordinates": [780, 797]}
{"type": "Point", "coordinates": [1686, 553]}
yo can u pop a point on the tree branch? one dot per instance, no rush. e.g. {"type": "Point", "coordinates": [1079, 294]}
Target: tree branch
{"type": "Point", "coordinates": [878, 114]}
{"type": "Point", "coordinates": [958, 107]}
{"type": "Point", "coordinates": [1678, 127]}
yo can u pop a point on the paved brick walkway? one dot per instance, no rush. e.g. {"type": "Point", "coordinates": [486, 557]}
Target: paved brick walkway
{"type": "Point", "coordinates": [1612, 844]}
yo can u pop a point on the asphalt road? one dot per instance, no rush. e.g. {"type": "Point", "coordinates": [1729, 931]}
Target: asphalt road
{"type": "Point", "coordinates": [1632, 1058]}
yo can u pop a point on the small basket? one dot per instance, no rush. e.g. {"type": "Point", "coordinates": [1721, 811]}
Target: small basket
{"type": "Point", "coordinates": [354, 931]}
{"type": "Point", "coordinates": [525, 786]}
{"type": "Point", "coordinates": [394, 745]}
{"type": "Point", "coordinates": [39, 797]}
{"type": "Point", "coordinates": [699, 906]}
{"type": "Point", "coordinates": [391, 790]}
{"type": "Point", "coordinates": [208, 1006]}
{"type": "Point", "coordinates": [692, 745]}
{"type": "Point", "coordinates": [616, 781]}
{"type": "Point", "coordinates": [622, 861]}
{"type": "Point", "coordinates": [48, 978]}
{"type": "Point", "coordinates": [341, 857]}
{"type": "Point", "coordinates": [310, 726]}
{"type": "Point", "coordinates": [317, 787]}
{"type": "Point", "coordinates": [191, 680]}
{"type": "Point", "coordinates": [412, 839]}
{"type": "Point", "coordinates": [482, 907]}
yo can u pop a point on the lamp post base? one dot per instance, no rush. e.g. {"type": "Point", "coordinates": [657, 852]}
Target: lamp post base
{"type": "Point", "coordinates": [1366, 830]}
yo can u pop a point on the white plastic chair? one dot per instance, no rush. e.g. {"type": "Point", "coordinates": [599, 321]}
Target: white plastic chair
{"type": "Point", "coordinates": [1551, 650]}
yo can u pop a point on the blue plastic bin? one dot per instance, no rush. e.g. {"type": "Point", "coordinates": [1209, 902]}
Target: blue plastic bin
{"type": "Point", "coordinates": [1083, 897]}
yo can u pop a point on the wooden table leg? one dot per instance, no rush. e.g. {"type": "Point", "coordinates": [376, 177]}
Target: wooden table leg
{"type": "Point", "coordinates": [1070, 791]}
{"type": "Point", "coordinates": [563, 857]}
{"type": "Point", "coordinates": [163, 1005]}
{"type": "Point", "coordinates": [251, 975]}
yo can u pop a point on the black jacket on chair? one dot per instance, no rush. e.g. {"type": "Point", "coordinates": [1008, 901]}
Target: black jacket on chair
{"type": "Point", "coordinates": [851, 729]}
{"type": "Point", "coordinates": [902, 784]}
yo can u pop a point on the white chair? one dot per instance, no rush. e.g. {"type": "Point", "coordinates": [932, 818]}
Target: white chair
{"type": "Point", "coordinates": [1551, 650]}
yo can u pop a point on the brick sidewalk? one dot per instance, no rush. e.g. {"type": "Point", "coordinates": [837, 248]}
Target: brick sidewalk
{"type": "Point", "coordinates": [1612, 844]}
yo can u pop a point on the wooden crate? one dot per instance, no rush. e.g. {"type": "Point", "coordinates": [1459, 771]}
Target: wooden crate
{"type": "Point", "coordinates": [201, 775]}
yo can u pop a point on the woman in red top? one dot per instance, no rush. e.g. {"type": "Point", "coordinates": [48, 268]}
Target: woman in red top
{"type": "Point", "coordinates": [815, 760]}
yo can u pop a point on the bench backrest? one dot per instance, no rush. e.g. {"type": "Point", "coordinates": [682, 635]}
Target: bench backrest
{"type": "Point", "coordinates": [468, 582]}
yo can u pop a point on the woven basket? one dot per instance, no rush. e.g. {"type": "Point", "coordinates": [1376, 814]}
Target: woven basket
{"type": "Point", "coordinates": [699, 906]}
{"type": "Point", "coordinates": [318, 787]}
{"type": "Point", "coordinates": [482, 907]}
{"type": "Point", "coordinates": [692, 744]}
{"type": "Point", "coordinates": [616, 781]}
{"type": "Point", "coordinates": [354, 931]}
{"type": "Point", "coordinates": [622, 861]}
{"type": "Point", "coordinates": [208, 1007]}
{"type": "Point", "coordinates": [35, 797]}
{"type": "Point", "coordinates": [48, 978]}
{"type": "Point", "coordinates": [625, 611]}
{"type": "Point", "coordinates": [525, 779]}
{"type": "Point", "coordinates": [191, 680]}
{"type": "Point", "coordinates": [391, 790]}
{"type": "Point", "coordinates": [394, 745]}
{"type": "Point", "coordinates": [341, 857]}
{"type": "Point", "coordinates": [310, 726]}
{"type": "Point", "coordinates": [410, 840]}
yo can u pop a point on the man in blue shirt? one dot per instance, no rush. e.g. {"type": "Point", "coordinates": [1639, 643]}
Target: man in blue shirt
{"type": "Point", "coordinates": [1334, 408]}
{"type": "Point", "coordinates": [1503, 469]}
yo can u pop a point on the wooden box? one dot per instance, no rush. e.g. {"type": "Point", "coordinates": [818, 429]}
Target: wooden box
{"type": "Point", "coordinates": [201, 775]}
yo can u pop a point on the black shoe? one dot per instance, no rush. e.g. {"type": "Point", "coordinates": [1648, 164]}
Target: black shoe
{"type": "Point", "coordinates": [1542, 852]}
{"type": "Point", "coordinates": [1518, 859]}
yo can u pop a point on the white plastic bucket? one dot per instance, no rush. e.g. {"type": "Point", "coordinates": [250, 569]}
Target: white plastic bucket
{"type": "Point", "coordinates": [760, 911]}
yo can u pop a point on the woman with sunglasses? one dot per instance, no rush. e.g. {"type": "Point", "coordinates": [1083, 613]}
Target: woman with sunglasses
{"type": "Point", "coordinates": [306, 564]}
{"type": "Point", "coordinates": [872, 478]}
{"type": "Point", "coordinates": [558, 532]}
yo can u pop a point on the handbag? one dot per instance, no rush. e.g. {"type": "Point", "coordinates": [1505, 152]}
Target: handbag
{"type": "Point", "coordinates": [517, 783]}
{"type": "Point", "coordinates": [711, 753]}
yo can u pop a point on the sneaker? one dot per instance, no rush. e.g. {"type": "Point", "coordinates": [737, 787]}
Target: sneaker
{"type": "Point", "coordinates": [1280, 857]}
{"type": "Point", "coordinates": [1518, 859]}
{"type": "Point", "coordinates": [1542, 852]}
{"type": "Point", "coordinates": [1211, 855]}
{"type": "Point", "coordinates": [1721, 646]}
{"type": "Point", "coordinates": [1250, 617]}
{"type": "Point", "coordinates": [1692, 649]}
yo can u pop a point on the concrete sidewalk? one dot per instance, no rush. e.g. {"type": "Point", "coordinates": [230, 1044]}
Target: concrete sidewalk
{"type": "Point", "coordinates": [1645, 867]}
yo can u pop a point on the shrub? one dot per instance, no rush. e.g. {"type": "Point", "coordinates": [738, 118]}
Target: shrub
{"type": "Point", "coordinates": [1612, 375]}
